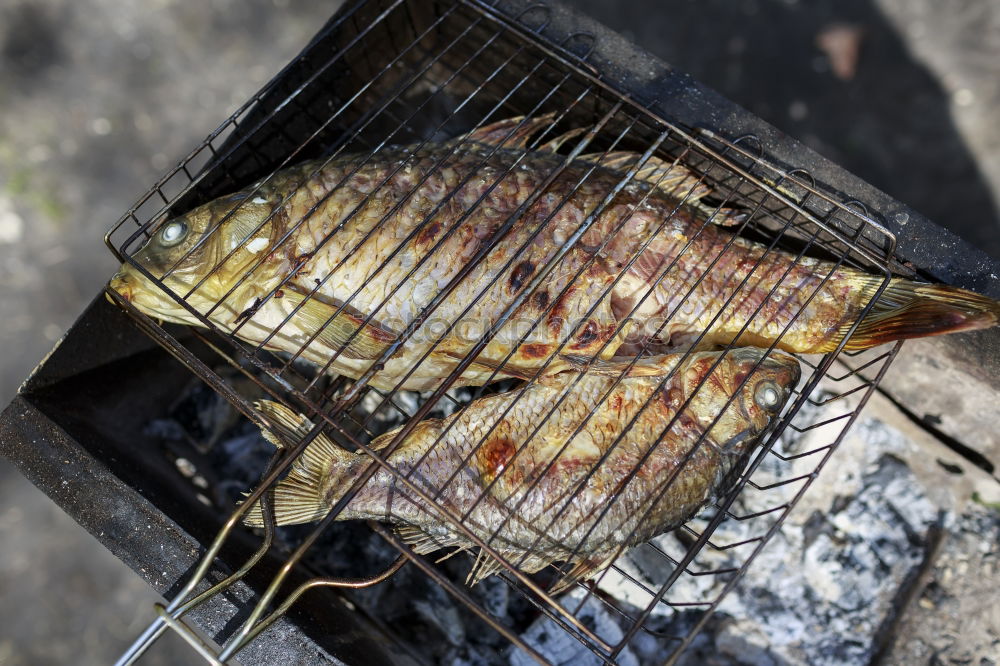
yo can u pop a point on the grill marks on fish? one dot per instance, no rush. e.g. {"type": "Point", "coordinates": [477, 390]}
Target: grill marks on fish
{"type": "Point", "coordinates": [540, 299]}
{"type": "Point", "coordinates": [534, 351]}
{"type": "Point", "coordinates": [521, 273]}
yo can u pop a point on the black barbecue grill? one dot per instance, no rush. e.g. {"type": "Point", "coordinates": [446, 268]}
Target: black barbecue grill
{"type": "Point", "coordinates": [384, 73]}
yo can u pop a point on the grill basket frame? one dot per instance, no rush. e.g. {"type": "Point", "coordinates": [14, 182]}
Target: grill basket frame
{"type": "Point", "coordinates": [844, 229]}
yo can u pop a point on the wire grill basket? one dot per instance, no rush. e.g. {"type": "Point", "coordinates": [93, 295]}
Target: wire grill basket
{"type": "Point", "coordinates": [386, 73]}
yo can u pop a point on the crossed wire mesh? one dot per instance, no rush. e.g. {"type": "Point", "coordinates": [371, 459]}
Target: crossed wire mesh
{"type": "Point", "coordinates": [384, 73]}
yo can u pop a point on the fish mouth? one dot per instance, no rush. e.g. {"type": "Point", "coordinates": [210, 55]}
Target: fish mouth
{"type": "Point", "coordinates": [120, 283]}
{"type": "Point", "coordinates": [146, 298]}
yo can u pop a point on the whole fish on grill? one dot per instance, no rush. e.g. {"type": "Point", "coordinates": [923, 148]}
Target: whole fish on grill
{"type": "Point", "coordinates": [571, 468]}
{"type": "Point", "coordinates": [339, 262]}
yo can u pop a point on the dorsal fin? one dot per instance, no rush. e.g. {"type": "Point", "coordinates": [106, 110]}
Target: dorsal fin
{"type": "Point", "coordinates": [556, 143]}
{"type": "Point", "coordinates": [415, 537]}
{"type": "Point", "coordinates": [508, 369]}
{"type": "Point", "coordinates": [669, 177]}
{"type": "Point", "coordinates": [513, 133]}
{"type": "Point", "coordinates": [617, 159]}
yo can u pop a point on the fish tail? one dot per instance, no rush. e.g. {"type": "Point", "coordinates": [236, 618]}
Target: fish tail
{"type": "Point", "coordinates": [914, 310]}
{"type": "Point", "coordinates": [301, 496]}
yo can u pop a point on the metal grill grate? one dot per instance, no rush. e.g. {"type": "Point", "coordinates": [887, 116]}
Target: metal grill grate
{"type": "Point", "coordinates": [389, 73]}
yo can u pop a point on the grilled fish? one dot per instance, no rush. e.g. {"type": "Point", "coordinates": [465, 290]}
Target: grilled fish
{"type": "Point", "coordinates": [571, 468]}
{"type": "Point", "coordinates": [398, 263]}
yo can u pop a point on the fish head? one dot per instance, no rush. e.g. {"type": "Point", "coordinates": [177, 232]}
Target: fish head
{"type": "Point", "coordinates": [737, 395]}
{"type": "Point", "coordinates": [201, 257]}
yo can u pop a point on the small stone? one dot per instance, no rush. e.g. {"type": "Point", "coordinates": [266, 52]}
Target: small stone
{"type": "Point", "coordinates": [185, 467]}
{"type": "Point", "coordinates": [926, 603]}
{"type": "Point", "coordinates": [964, 97]}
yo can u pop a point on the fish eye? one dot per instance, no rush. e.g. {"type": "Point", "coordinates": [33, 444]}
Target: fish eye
{"type": "Point", "coordinates": [173, 233]}
{"type": "Point", "coordinates": [767, 395]}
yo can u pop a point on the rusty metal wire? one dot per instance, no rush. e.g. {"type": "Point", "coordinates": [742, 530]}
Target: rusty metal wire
{"type": "Point", "coordinates": [442, 69]}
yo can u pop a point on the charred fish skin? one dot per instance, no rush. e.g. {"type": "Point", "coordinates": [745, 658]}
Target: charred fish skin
{"type": "Point", "coordinates": [572, 468]}
{"type": "Point", "coordinates": [334, 261]}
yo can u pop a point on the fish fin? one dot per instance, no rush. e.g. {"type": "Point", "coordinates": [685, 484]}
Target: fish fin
{"type": "Point", "coordinates": [507, 369]}
{"type": "Point", "coordinates": [670, 178]}
{"type": "Point", "coordinates": [299, 497]}
{"type": "Point", "coordinates": [294, 502]}
{"type": "Point", "coordinates": [294, 426]}
{"type": "Point", "coordinates": [284, 423]}
{"type": "Point", "coordinates": [242, 229]}
{"type": "Point", "coordinates": [646, 366]}
{"type": "Point", "coordinates": [583, 569]}
{"type": "Point", "coordinates": [383, 440]}
{"type": "Point", "coordinates": [417, 539]}
{"type": "Point", "coordinates": [484, 567]}
{"type": "Point", "coordinates": [616, 159]}
{"type": "Point", "coordinates": [555, 144]}
{"type": "Point", "coordinates": [512, 133]}
{"type": "Point", "coordinates": [909, 309]}
{"type": "Point", "coordinates": [338, 332]}
{"type": "Point", "coordinates": [722, 216]}
{"type": "Point", "coordinates": [422, 543]}
{"type": "Point", "coordinates": [450, 554]}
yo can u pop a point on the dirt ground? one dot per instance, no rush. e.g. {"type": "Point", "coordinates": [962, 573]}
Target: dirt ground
{"type": "Point", "coordinates": [99, 97]}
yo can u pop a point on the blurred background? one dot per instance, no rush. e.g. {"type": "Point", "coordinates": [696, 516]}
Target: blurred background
{"type": "Point", "coordinates": [99, 97]}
